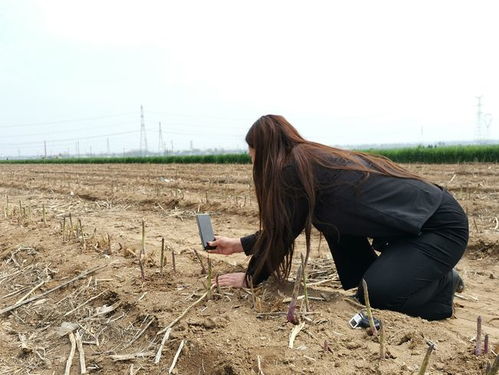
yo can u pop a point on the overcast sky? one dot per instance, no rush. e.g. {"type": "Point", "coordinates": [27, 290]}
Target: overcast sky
{"type": "Point", "coordinates": [343, 72]}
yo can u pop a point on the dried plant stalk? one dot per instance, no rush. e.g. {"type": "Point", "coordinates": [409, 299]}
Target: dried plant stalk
{"type": "Point", "coordinates": [84, 303]}
{"type": "Point", "coordinates": [175, 359]}
{"type": "Point", "coordinates": [128, 357]}
{"type": "Point", "coordinates": [161, 346]}
{"type": "Point", "coordinates": [173, 261]}
{"type": "Point", "coordinates": [176, 320]}
{"type": "Point", "coordinates": [486, 344]}
{"type": "Point", "coordinates": [162, 259]}
{"type": "Point", "coordinates": [368, 308]}
{"type": "Point", "coordinates": [67, 371]}
{"type": "Point", "coordinates": [292, 315]}
{"type": "Point", "coordinates": [77, 230]}
{"type": "Point", "coordinates": [31, 291]}
{"type": "Point", "coordinates": [64, 229]}
{"type": "Point", "coordinates": [138, 335]}
{"type": "Point", "coordinates": [43, 214]}
{"type": "Point", "coordinates": [296, 329]}
{"type": "Point", "coordinates": [6, 211]}
{"type": "Point", "coordinates": [209, 278]}
{"type": "Point", "coordinates": [203, 270]}
{"type": "Point", "coordinates": [426, 359]}
{"type": "Point", "coordinates": [109, 243]}
{"type": "Point", "coordinates": [80, 276]}
{"type": "Point", "coordinates": [142, 251]}
{"type": "Point", "coordinates": [79, 345]}
{"type": "Point", "coordinates": [80, 230]}
{"type": "Point", "coordinates": [258, 359]}
{"type": "Point", "coordinates": [304, 278]}
{"type": "Point", "coordinates": [70, 226]}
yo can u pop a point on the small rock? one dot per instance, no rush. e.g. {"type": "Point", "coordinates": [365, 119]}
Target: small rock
{"type": "Point", "coordinates": [439, 366]}
{"type": "Point", "coordinates": [358, 365]}
{"type": "Point", "coordinates": [208, 323]}
{"type": "Point", "coordinates": [176, 335]}
{"type": "Point", "coordinates": [390, 355]}
{"type": "Point", "coordinates": [181, 326]}
{"type": "Point", "coordinates": [352, 345]}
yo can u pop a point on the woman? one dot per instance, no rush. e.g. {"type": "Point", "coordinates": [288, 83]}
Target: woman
{"type": "Point", "coordinates": [419, 229]}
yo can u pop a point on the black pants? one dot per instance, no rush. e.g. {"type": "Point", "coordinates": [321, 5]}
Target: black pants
{"type": "Point", "coordinates": [414, 275]}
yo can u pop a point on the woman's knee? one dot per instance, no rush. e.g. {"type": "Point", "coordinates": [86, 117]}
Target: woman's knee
{"type": "Point", "coordinates": [381, 294]}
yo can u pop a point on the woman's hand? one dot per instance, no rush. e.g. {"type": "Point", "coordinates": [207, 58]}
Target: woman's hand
{"type": "Point", "coordinates": [226, 245]}
{"type": "Point", "coordinates": [235, 280]}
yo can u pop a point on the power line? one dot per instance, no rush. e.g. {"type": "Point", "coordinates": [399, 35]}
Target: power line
{"type": "Point", "coordinates": [63, 121]}
{"type": "Point", "coordinates": [69, 139]}
{"type": "Point", "coordinates": [73, 139]}
{"type": "Point", "coordinates": [100, 126]}
{"type": "Point", "coordinates": [170, 114]}
{"type": "Point", "coordinates": [172, 126]}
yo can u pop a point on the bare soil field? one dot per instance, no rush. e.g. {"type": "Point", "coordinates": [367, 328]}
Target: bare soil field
{"type": "Point", "coordinates": [59, 221]}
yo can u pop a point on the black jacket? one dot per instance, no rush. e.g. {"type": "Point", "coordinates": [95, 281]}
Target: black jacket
{"type": "Point", "coordinates": [350, 208]}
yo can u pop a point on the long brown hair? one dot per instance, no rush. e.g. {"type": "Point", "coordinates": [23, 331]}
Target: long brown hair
{"type": "Point", "coordinates": [278, 144]}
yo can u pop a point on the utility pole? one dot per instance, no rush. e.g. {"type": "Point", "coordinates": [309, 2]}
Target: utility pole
{"type": "Point", "coordinates": [172, 145]}
{"type": "Point", "coordinates": [143, 136]}
{"type": "Point", "coordinates": [108, 148]}
{"type": "Point", "coordinates": [161, 143]}
{"type": "Point", "coordinates": [77, 146]}
{"type": "Point", "coordinates": [45, 148]}
{"type": "Point", "coordinates": [191, 146]}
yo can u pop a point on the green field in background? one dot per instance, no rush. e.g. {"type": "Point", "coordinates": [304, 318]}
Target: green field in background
{"type": "Point", "coordinates": [444, 154]}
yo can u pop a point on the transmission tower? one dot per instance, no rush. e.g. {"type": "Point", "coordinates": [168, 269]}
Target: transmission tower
{"type": "Point", "coordinates": [143, 136]}
{"type": "Point", "coordinates": [478, 127]}
{"type": "Point", "coordinates": [483, 122]}
{"type": "Point", "coordinates": [161, 143]}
